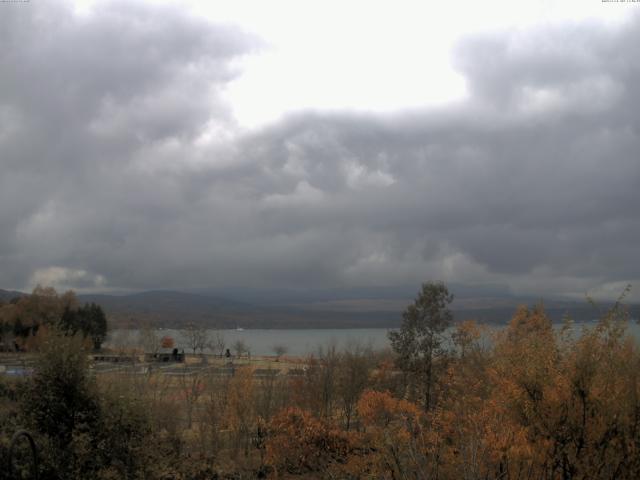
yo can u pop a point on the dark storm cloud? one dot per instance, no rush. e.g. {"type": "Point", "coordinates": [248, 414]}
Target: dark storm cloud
{"type": "Point", "coordinates": [88, 106]}
{"type": "Point", "coordinates": [108, 176]}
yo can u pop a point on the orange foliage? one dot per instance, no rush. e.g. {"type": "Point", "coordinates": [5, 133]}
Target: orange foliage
{"type": "Point", "coordinates": [399, 439]}
{"type": "Point", "coordinates": [300, 443]}
{"type": "Point", "coordinates": [539, 404]}
{"type": "Point", "coordinates": [379, 409]}
{"type": "Point", "coordinates": [240, 412]}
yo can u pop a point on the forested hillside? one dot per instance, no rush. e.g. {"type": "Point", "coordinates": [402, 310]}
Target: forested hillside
{"type": "Point", "coordinates": [332, 309]}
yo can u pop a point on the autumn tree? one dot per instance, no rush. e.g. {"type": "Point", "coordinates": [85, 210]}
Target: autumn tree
{"type": "Point", "coordinates": [279, 350]}
{"type": "Point", "coordinates": [240, 347]}
{"type": "Point", "coordinates": [196, 336]}
{"type": "Point", "coordinates": [191, 389]}
{"type": "Point", "coordinates": [327, 378]}
{"type": "Point", "coordinates": [420, 341]}
{"type": "Point", "coordinates": [46, 308]}
{"type": "Point", "coordinates": [272, 393]}
{"type": "Point", "coordinates": [241, 409]}
{"type": "Point", "coordinates": [397, 443]}
{"type": "Point", "coordinates": [574, 401]}
{"type": "Point", "coordinates": [149, 339]}
{"type": "Point", "coordinates": [42, 306]}
{"type": "Point", "coordinates": [28, 313]}
{"type": "Point", "coordinates": [213, 421]}
{"type": "Point", "coordinates": [167, 342]}
{"type": "Point", "coordinates": [301, 443]}
{"type": "Point", "coordinates": [316, 389]}
{"type": "Point", "coordinates": [466, 337]}
{"type": "Point", "coordinates": [217, 343]}
{"type": "Point", "coordinates": [352, 379]}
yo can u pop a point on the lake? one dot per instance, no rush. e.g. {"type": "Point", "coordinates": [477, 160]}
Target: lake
{"type": "Point", "coordinates": [298, 342]}
{"type": "Point", "coordinates": [261, 341]}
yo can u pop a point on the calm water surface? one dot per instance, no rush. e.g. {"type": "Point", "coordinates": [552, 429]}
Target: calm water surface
{"type": "Point", "coordinates": [263, 341]}
{"type": "Point", "coordinates": [296, 341]}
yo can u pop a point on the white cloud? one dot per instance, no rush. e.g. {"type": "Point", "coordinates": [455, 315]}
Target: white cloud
{"type": "Point", "coordinates": [63, 278]}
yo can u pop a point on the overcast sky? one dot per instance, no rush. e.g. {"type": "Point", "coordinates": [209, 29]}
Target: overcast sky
{"type": "Point", "coordinates": [320, 144]}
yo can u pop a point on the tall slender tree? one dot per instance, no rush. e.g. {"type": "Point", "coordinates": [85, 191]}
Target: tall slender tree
{"type": "Point", "coordinates": [419, 342]}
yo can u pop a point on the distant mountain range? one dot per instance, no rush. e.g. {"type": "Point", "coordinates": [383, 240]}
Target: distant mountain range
{"type": "Point", "coordinates": [7, 295]}
{"type": "Point", "coordinates": [349, 308]}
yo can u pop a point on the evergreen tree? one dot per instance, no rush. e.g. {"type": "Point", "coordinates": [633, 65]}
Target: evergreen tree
{"type": "Point", "coordinates": [420, 341]}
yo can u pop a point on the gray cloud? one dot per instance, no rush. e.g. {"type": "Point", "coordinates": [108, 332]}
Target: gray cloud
{"type": "Point", "coordinates": [531, 182]}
